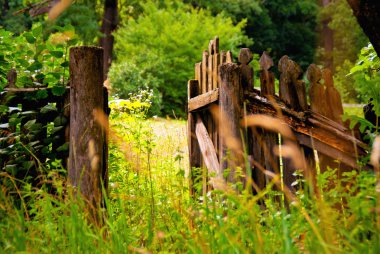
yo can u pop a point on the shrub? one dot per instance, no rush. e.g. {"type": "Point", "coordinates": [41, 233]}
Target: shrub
{"type": "Point", "coordinates": [158, 49]}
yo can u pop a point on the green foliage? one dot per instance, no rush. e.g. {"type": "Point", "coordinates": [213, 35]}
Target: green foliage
{"type": "Point", "coordinates": [281, 27]}
{"type": "Point", "coordinates": [83, 16]}
{"type": "Point", "coordinates": [367, 77]}
{"type": "Point", "coordinates": [149, 210]}
{"type": "Point", "coordinates": [348, 35]}
{"type": "Point", "coordinates": [158, 49]}
{"type": "Point", "coordinates": [37, 62]}
{"type": "Point", "coordinates": [348, 40]}
{"type": "Point", "coordinates": [14, 23]}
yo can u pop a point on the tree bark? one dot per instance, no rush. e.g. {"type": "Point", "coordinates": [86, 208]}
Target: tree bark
{"type": "Point", "coordinates": [87, 138]}
{"type": "Point", "coordinates": [367, 13]}
{"type": "Point", "coordinates": [108, 26]}
{"type": "Point", "coordinates": [327, 39]}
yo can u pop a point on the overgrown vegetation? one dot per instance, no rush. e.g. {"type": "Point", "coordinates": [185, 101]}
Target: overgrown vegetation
{"type": "Point", "coordinates": [149, 208]}
{"type": "Point", "coordinates": [155, 51]}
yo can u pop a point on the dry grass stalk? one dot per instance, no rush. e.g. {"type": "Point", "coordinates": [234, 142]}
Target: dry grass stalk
{"type": "Point", "coordinates": [59, 8]}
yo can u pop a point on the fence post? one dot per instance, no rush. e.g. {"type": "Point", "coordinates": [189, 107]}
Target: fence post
{"type": "Point", "coordinates": [87, 138]}
{"type": "Point", "coordinates": [230, 100]}
{"type": "Point", "coordinates": [194, 152]}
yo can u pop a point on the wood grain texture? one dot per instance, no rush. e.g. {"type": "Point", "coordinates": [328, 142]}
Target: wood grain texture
{"type": "Point", "coordinates": [206, 147]}
{"type": "Point", "coordinates": [193, 146]}
{"type": "Point", "coordinates": [86, 159]}
{"type": "Point", "coordinates": [267, 77]}
{"type": "Point", "coordinates": [245, 57]}
{"type": "Point", "coordinates": [230, 103]}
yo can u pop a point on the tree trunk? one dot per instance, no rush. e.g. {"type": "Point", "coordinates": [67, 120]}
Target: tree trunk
{"type": "Point", "coordinates": [367, 12]}
{"type": "Point", "coordinates": [5, 9]}
{"type": "Point", "coordinates": [86, 158]}
{"type": "Point", "coordinates": [327, 37]}
{"type": "Point", "coordinates": [108, 26]}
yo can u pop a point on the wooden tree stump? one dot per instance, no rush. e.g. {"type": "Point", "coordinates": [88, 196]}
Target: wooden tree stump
{"type": "Point", "coordinates": [87, 138]}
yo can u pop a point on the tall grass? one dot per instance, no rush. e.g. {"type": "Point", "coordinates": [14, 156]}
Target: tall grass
{"type": "Point", "coordinates": [148, 208]}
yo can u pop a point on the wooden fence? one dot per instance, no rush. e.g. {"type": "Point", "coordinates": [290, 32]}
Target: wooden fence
{"type": "Point", "coordinates": [73, 137]}
{"type": "Point", "coordinates": [222, 100]}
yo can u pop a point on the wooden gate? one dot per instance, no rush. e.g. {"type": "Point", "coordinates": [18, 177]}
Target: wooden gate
{"type": "Point", "coordinates": [232, 125]}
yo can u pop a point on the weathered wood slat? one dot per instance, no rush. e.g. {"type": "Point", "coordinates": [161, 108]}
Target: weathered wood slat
{"type": "Point", "coordinates": [206, 147]}
{"type": "Point", "coordinates": [245, 57]}
{"type": "Point", "coordinates": [203, 100]}
{"type": "Point", "coordinates": [198, 73]}
{"type": "Point", "coordinates": [194, 150]}
{"type": "Point", "coordinates": [204, 72]}
{"type": "Point", "coordinates": [306, 125]}
{"type": "Point", "coordinates": [230, 102]}
{"type": "Point", "coordinates": [210, 72]}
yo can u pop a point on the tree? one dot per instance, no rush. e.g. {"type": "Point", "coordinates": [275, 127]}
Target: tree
{"type": "Point", "coordinates": [108, 26]}
{"type": "Point", "coordinates": [159, 49]}
{"type": "Point", "coordinates": [282, 27]}
{"type": "Point", "coordinates": [339, 50]}
{"type": "Point", "coordinates": [367, 13]}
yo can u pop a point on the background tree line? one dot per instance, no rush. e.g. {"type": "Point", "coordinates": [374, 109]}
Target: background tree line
{"type": "Point", "coordinates": [156, 43]}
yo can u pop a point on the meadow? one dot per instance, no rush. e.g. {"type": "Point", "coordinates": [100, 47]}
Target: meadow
{"type": "Point", "coordinates": [149, 209]}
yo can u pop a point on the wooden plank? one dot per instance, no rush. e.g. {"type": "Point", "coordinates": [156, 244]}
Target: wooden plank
{"type": "Point", "coordinates": [316, 90]}
{"type": "Point", "coordinates": [206, 147]}
{"type": "Point", "coordinates": [267, 78]}
{"type": "Point", "coordinates": [27, 89]}
{"type": "Point", "coordinates": [259, 160]}
{"type": "Point", "coordinates": [198, 73]}
{"type": "Point", "coordinates": [216, 71]}
{"type": "Point", "coordinates": [333, 99]}
{"type": "Point", "coordinates": [229, 58]}
{"type": "Point", "coordinates": [326, 149]}
{"type": "Point", "coordinates": [203, 100]}
{"type": "Point", "coordinates": [292, 88]}
{"type": "Point", "coordinates": [245, 57]}
{"type": "Point", "coordinates": [193, 146]}
{"type": "Point", "coordinates": [223, 57]}
{"type": "Point", "coordinates": [204, 72]}
{"type": "Point", "coordinates": [338, 140]}
{"type": "Point", "coordinates": [230, 101]}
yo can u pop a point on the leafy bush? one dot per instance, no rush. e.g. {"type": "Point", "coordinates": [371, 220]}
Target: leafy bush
{"type": "Point", "coordinates": [159, 48]}
{"type": "Point", "coordinates": [367, 76]}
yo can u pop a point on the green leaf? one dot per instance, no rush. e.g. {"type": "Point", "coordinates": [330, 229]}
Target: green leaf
{"type": "Point", "coordinates": [28, 125]}
{"type": "Point", "coordinates": [40, 76]}
{"type": "Point", "coordinates": [27, 165]}
{"type": "Point", "coordinates": [63, 148]}
{"type": "Point", "coordinates": [37, 31]}
{"type": "Point", "coordinates": [42, 94]}
{"type": "Point", "coordinates": [3, 108]}
{"type": "Point", "coordinates": [57, 54]}
{"type": "Point", "coordinates": [29, 38]}
{"type": "Point", "coordinates": [35, 66]}
{"type": "Point", "coordinates": [48, 108]}
{"type": "Point", "coordinates": [60, 121]}
{"type": "Point", "coordinates": [58, 90]}
{"type": "Point", "coordinates": [65, 64]}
